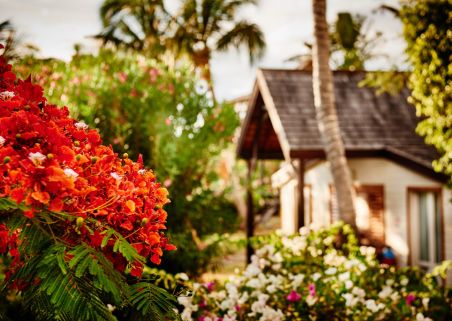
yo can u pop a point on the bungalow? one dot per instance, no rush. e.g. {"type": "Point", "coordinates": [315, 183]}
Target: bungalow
{"type": "Point", "coordinates": [401, 201]}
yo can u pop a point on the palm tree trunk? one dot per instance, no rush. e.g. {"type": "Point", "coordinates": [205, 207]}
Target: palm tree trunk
{"type": "Point", "coordinates": [207, 75]}
{"type": "Point", "coordinates": [327, 119]}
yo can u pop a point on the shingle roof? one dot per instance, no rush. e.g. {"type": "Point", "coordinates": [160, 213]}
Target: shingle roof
{"type": "Point", "coordinates": [368, 122]}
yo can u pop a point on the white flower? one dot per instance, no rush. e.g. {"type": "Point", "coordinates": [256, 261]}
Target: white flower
{"type": "Point", "coordinates": [115, 176]}
{"type": "Point", "coordinates": [371, 305]}
{"type": "Point", "coordinates": [37, 158]}
{"type": "Point", "coordinates": [420, 317]}
{"type": "Point", "coordinates": [111, 308]}
{"type": "Point", "coordinates": [229, 317]}
{"type": "Point", "coordinates": [348, 284]}
{"type": "Point", "coordinates": [182, 276]}
{"type": "Point", "coordinates": [251, 270]}
{"type": "Point", "coordinates": [6, 95]}
{"type": "Point", "coordinates": [227, 304]}
{"type": "Point", "coordinates": [2, 140]}
{"type": "Point", "coordinates": [297, 280]}
{"type": "Point", "coordinates": [253, 283]}
{"type": "Point", "coordinates": [385, 292]}
{"type": "Point", "coordinates": [142, 171]}
{"type": "Point", "coordinates": [331, 271]}
{"type": "Point", "coordinates": [350, 300]}
{"type": "Point", "coordinates": [344, 276]}
{"type": "Point", "coordinates": [425, 302]}
{"type": "Point", "coordinates": [404, 281]}
{"type": "Point", "coordinates": [81, 125]}
{"type": "Point", "coordinates": [70, 172]}
{"type": "Point", "coordinates": [359, 292]}
{"type": "Point", "coordinates": [271, 288]}
{"type": "Point", "coordinates": [316, 276]}
{"type": "Point", "coordinates": [243, 298]}
{"type": "Point", "coordinates": [311, 300]}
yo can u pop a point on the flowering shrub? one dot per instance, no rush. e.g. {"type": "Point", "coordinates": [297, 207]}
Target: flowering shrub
{"type": "Point", "coordinates": [320, 275]}
{"type": "Point", "coordinates": [70, 206]}
{"type": "Point", "coordinates": [165, 114]}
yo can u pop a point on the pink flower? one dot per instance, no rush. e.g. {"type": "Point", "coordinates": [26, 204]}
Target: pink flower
{"type": "Point", "coordinates": [167, 182]}
{"type": "Point", "coordinates": [168, 121]}
{"type": "Point", "coordinates": [293, 296]}
{"type": "Point", "coordinates": [237, 308]}
{"type": "Point", "coordinates": [202, 304]}
{"type": "Point", "coordinates": [122, 76]}
{"type": "Point", "coordinates": [153, 74]}
{"type": "Point", "coordinates": [209, 285]}
{"type": "Point", "coordinates": [311, 288]}
{"type": "Point", "coordinates": [171, 89]}
{"type": "Point", "coordinates": [409, 299]}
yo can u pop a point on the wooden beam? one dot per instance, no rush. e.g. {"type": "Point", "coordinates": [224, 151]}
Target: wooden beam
{"type": "Point", "coordinates": [249, 213]}
{"type": "Point", "coordinates": [273, 114]}
{"type": "Point", "coordinates": [301, 167]}
{"type": "Point", "coordinates": [250, 206]}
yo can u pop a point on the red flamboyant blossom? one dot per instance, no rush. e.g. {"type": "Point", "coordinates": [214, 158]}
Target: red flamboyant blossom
{"type": "Point", "coordinates": [51, 162]}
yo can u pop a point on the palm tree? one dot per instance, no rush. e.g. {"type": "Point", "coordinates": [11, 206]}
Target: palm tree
{"type": "Point", "coordinates": [205, 26]}
{"type": "Point", "coordinates": [349, 37]}
{"type": "Point", "coordinates": [9, 40]}
{"type": "Point", "coordinates": [327, 119]}
{"type": "Point", "coordinates": [134, 24]}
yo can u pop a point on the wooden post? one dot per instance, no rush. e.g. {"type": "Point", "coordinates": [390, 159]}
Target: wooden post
{"type": "Point", "coordinates": [249, 212]}
{"type": "Point", "coordinates": [250, 207]}
{"type": "Point", "coordinates": [301, 167]}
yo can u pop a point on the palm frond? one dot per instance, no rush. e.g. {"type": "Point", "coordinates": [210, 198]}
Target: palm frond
{"type": "Point", "coordinates": [247, 34]}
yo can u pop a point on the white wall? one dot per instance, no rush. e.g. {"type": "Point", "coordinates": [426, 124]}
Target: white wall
{"type": "Point", "coordinates": [395, 179]}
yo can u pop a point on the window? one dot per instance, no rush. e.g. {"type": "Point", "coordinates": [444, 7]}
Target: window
{"type": "Point", "coordinates": [426, 243]}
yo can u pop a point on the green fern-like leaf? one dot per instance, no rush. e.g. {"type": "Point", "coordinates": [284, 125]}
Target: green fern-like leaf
{"type": "Point", "coordinates": [152, 303]}
{"type": "Point", "coordinates": [88, 261]}
{"type": "Point", "coordinates": [69, 295]}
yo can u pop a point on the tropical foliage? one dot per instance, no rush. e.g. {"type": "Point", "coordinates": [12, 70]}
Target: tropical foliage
{"type": "Point", "coordinates": [352, 43]}
{"type": "Point", "coordinates": [427, 26]}
{"type": "Point", "coordinates": [143, 107]}
{"type": "Point", "coordinates": [78, 223]}
{"type": "Point", "coordinates": [321, 275]}
{"type": "Point", "coordinates": [134, 24]}
{"type": "Point", "coordinates": [199, 28]}
{"type": "Point", "coordinates": [8, 40]}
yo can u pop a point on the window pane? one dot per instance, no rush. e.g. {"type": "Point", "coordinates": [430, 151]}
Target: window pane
{"type": "Point", "coordinates": [438, 229]}
{"type": "Point", "coordinates": [424, 244]}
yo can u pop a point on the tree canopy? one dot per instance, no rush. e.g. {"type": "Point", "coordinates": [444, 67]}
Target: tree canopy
{"type": "Point", "coordinates": [427, 31]}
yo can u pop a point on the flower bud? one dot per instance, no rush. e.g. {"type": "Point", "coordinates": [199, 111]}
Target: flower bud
{"type": "Point", "coordinates": [78, 157]}
{"type": "Point", "coordinates": [50, 156]}
{"type": "Point", "coordinates": [76, 143]}
{"type": "Point", "coordinates": [79, 221]}
{"type": "Point", "coordinates": [144, 221]}
{"type": "Point", "coordinates": [18, 136]}
{"type": "Point", "coordinates": [6, 160]}
{"type": "Point", "coordinates": [94, 160]}
{"type": "Point", "coordinates": [125, 155]}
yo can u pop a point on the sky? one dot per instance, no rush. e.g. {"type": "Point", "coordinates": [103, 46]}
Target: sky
{"type": "Point", "coordinates": [56, 25]}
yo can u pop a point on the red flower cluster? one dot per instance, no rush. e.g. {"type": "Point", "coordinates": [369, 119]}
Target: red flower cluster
{"type": "Point", "coordinates": [50, 162]}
